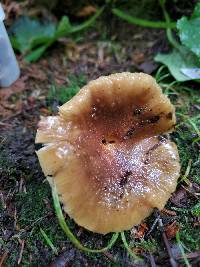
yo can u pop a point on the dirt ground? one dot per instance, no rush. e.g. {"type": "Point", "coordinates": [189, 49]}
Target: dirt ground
{"type": "Point", "coordinates": [26, 202]}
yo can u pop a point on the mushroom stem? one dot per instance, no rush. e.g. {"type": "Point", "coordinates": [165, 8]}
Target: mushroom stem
{"type": "Point", "coordinates": [128, 248]}
{"type": "Point", "coordinates": [68, 232]}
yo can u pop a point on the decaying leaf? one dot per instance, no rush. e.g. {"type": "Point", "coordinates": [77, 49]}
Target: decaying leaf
{"type": "Point", "coordinates": [141, 231]}
{"type": "Point", "coordinates": [171, 230]}
{"type": "Point", "coordinates": [86, 11]}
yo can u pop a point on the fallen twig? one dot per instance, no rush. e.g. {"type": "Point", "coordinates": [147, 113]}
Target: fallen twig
{"type": "Point", "coordinates": [152, 261]}
{"type": "Point", "coordinates": [167, 245]}
{"type": "Point", "coordinates": [21, 251]}
{"type": "Point", "coordinates": [190, 255]}
{"type": "Point", "coordinates": [3, 258]}
{"type": "Point", "coordinates": [152, 227]}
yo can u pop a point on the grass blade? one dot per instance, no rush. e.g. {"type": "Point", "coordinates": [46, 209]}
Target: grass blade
{"type": "Point", "coordinates": [182, 250]}
{"type": "Point", "coordinates": [49, 242]}
{"type": "Point", "coordinates": [142, 22]}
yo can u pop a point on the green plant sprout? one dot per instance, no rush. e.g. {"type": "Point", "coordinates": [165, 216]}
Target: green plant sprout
{"type": "Point", "coordinates": [184, 177]}
{"type": "Point", "coordinates": [49, 242]}
{"type": "Point", "coordinates": [33, 38]}
{"type": "Point", "coordinates": [190, 121]}
{"type": "Point", "coordinates": [62, 94]}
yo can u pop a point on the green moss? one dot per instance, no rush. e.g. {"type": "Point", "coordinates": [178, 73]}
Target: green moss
{"type": "Point", "coordinates": [32, 205]}
{"type": "Point", "coordinates": [196, 209]}
{"type": "Point", "coordinates": [34, 213]}
{"type": "Point", "coordinates": [149, 245]}
{"type": "Point", "coordinates": [190, 237]}
{"type": "Point", "coordinates": [197, 180]}
{"type": "Point", "coordinates": [61, 94]}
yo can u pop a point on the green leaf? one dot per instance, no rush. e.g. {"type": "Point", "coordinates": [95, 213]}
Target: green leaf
{"type": "Point", "coordinates": [28, 33]}
{"type": "Point", "coordinates": [49, 242]}
{"type": "Point", "coordinates": [196, 12]}
{"type": "Point", "coordinates": [36, 54]}
{"type": "Point", "coordinates": [62, 94]}
{"type": "Point", "coordinates": [64, 27]}
{"type": "Point", "coordinates": [33, 37]}
{"type": "Point", "coordinates": [177, 61]}
{"type": "Point", "coordinates": [189, 31]}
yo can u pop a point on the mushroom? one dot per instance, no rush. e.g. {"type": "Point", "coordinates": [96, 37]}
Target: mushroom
{"type": "Point", "coordinates": [107, 154]}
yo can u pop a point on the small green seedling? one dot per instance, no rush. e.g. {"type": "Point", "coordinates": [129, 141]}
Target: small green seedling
{"type": "Point", "coordinates": [32, 38]}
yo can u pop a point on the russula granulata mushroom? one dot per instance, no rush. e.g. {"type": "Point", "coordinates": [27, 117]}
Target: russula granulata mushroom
{"type": "Point", "coordinates": [106, 153]}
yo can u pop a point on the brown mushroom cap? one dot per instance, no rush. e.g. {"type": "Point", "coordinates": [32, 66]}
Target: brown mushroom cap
{"type": "Point", "coordinates": [104, 150]}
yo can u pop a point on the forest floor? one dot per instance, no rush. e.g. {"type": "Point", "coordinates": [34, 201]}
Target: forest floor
{"type": "Point", "coordinates": [26, 202]}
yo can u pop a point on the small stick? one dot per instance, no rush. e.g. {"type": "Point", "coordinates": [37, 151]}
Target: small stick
{"type": "Point", "coordinates": [2, 259]}
{"type": "Point", "coordinates": [172, 260]}
{"type": "Point", "coordinates": [152, 227]}
{"type": "Point", "coordinates": [152, 261]}
{"type": "Point", "coordinates": [3, 201]}
{"type": "Point", "coordinates": [21, 185]}
{"type": "Point", "coordinates": [15, 218]}
{"type": "Point", "coordinates": [21, 252]}
{"type": "Point", "coordinates": [191, 255]}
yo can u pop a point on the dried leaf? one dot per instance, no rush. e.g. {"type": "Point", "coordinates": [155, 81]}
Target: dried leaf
{"type": "Point", "coordinates": [86, 11]}
{"type": "Point", "coordinates": [178, 198]}
{"type": "Point", "coordinates": [171, 230]}
{"type": "Point", "coordinates": [141, 231]}
{"type": "Point", "coordinates": [34, 72]}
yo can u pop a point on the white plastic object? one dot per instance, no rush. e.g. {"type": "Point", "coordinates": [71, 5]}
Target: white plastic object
{"type": "Point", "coordinates": [9, 68]}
